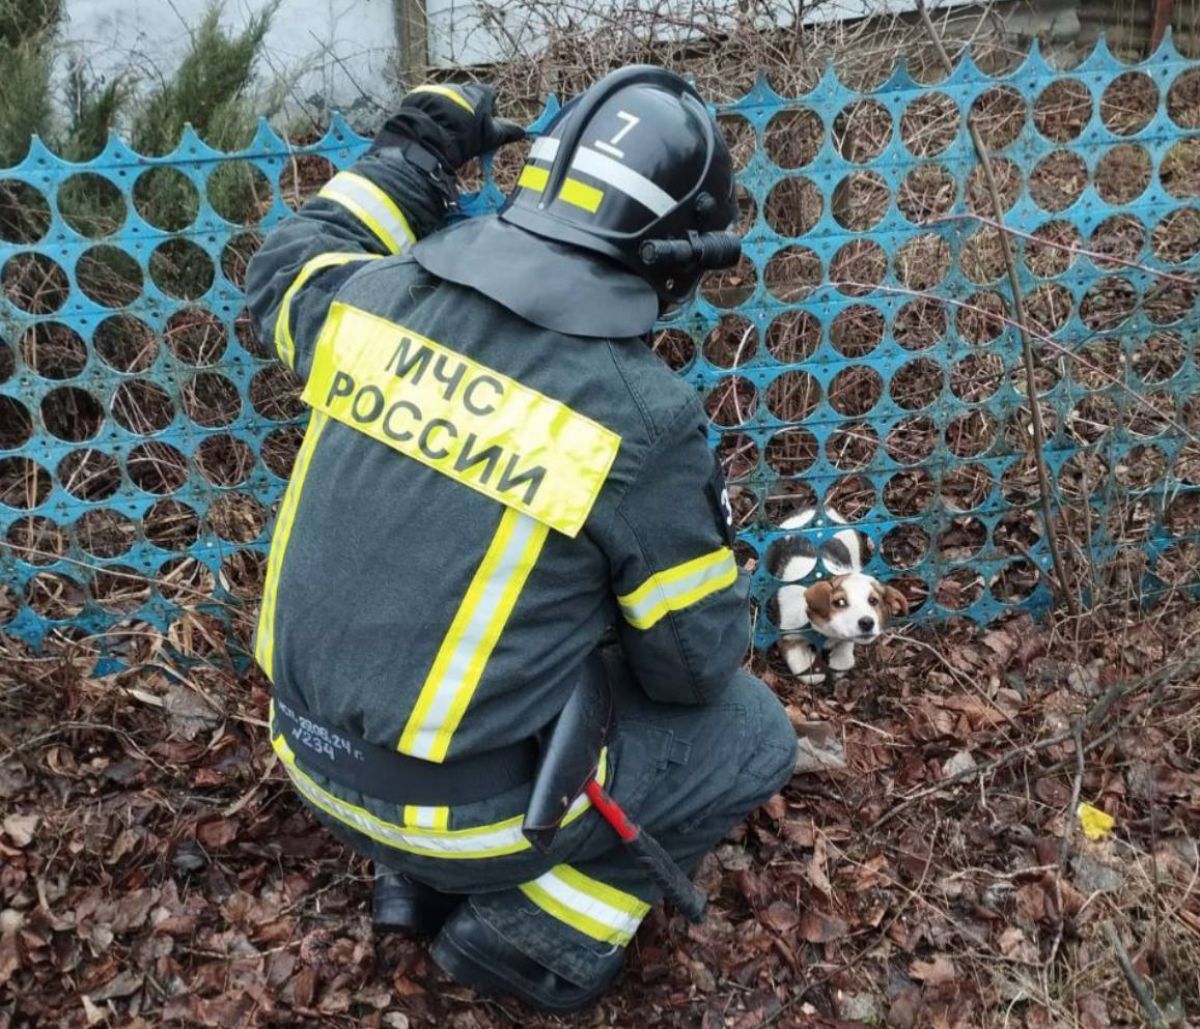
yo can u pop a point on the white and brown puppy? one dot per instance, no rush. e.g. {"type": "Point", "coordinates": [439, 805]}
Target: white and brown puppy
{"type": "Point", "coordinates": [849, 608]}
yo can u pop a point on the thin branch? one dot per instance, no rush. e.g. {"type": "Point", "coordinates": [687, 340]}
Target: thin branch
{"type": "Point", "coordinates": [1137, 984]}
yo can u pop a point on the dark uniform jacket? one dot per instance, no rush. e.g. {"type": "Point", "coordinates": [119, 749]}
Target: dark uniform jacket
{"type": "Point", "coordinates": [476, 499]}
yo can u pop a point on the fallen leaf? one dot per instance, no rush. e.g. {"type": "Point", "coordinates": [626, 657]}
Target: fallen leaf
{"type": "Point", "coordinates": [214, 833]}
{"type": "Point", "coordinates": [817, 927]}
{"type": "Point", "coordinates": [781, 917]}
{"type": "Point", "coordinates": [20, 828]}
{"type": "Point", "coordinates": [940, 970]}
{"type": "Point", "coordinates": [1096, 824]}
{"type": "Point", "coordinates": [188, 712]}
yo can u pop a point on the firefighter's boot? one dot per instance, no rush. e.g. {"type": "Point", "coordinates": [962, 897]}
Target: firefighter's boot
{"type": "Point", "coordinates": [401, 904]}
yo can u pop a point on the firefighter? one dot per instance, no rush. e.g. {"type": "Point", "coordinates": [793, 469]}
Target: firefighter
{"type": "Point", "coordinates": [498, 473]}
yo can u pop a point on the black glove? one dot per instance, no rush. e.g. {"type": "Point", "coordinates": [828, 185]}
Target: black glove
{"type": "Point", "coordinates": [454, 123]}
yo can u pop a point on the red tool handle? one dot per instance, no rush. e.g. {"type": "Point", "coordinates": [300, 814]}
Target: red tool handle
{"type": "Point", "coordinates": [611, 812]}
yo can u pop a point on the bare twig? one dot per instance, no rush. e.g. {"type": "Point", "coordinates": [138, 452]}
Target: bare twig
{"type": "Point", "coordinates": [1137, 984]}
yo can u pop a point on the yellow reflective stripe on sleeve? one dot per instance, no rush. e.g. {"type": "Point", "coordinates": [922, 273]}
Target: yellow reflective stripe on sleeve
{"type": "Point", "coordinates": [678, 587]}
{"type": "Point", "coordinates": [264, 644]}
{"type": "Point", "coordinates": [533, 177]}
{"type": "Point", "coordinates": [473, 634]}
{"type": "Point", "coordinates": [373, 207]}
{"type": "Point", "coordinates": [449, 92]}
{"type": "Point", "coordinates": [416, 817]}
{"type": "Point", "coordinates": [574, 192]}
{"type": "Point", "coordinates": [588, 905]}
{"type": "Point", "coordinates": [285, 346]}
{"type": "Point", "coordinates": [484, 841]}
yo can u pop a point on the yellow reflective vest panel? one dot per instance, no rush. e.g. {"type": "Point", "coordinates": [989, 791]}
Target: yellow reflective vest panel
{"type": "Point", "coordinates": [476, 500]}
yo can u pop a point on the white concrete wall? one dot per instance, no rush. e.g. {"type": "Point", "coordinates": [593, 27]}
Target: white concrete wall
{"type": "Point", "coordinates": [342, 50]}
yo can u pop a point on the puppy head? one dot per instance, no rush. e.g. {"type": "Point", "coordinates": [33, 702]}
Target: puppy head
{"type": "Point", "coordinates": [852, 607]}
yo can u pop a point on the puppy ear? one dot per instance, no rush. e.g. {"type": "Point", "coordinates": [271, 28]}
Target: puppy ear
{"type": "Point", "coordinates": [819, 597]}
{"type": "Point", "coordinates": [897, 602]}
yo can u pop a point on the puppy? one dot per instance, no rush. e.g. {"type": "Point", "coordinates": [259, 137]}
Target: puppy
{"type": "Point", "coordinates": [849, 608]}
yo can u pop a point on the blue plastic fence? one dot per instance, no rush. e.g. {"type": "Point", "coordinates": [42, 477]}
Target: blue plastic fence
{"type": "Point", "coordinates": [863, 357]}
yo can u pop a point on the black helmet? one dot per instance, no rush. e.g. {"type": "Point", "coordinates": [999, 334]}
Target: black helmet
{"type": "Point", "coordinates": [635, 169]}
{"type": "Point", "coordinates": [636, 173]}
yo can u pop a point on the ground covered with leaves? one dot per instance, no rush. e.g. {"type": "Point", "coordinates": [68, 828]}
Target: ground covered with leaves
{"type": "Point", "coordinates": [155, 868]}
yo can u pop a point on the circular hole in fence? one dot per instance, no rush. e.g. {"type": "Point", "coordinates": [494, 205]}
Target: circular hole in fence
{"type": "Point", "coordinates": [24, 213]}
{"type": "Point", "coordinates": [1062, 110]}
{"type": "Point", "coordinates": [1048, 308]}
{"type": "Point", "coordinates": [1017, 532]}
{"type": "Point", "coordinates": [1159, 357]}
{"type": "Point", "coordinates": [1168, 301]}
{"type": "Point", "coordinates": [72, 414]}
{"type": "Point", "coordinates": [1179, 170]}
{"type": "Point", "coordinates": [792, 451]}
{"type": "Point", "coordinates": [852, 446]}
{"type": "Point", "coordinates": [248, 337]}
{"type": "Point", "coordinates": [1129, 103]}
{"type": "Point", "coordinates": [909, 492]}
{"type": "Point", "coordinates": [929, 124]}
{"type": "Point", "coordinates": [855, 390]}
{"type": "Point", "coordinates": [999, 116]}
{"type": "Point", "coordinates": [53, 350]}
{"type": "Point", "coordinates": [920, 323]}
{"type": "Point", "coordinates": [1179, 564]}
{"type": "Point", "coordinates": [730, 287]}
{"type": "Point", "coordinates": [275, 393]}
{"type": "Point", "coordinates": [962, 539]}
{"type": "Point", "coordinates": [959, 589]}
{"type": "Point", "coordinates": [1108, 303]}
{"type": "Point", "coordinates": [1051, 250]}
{"type": "Point", "coordinates": [905, 546]}
{"type": "Point", "coordinates": [982, 256]}
{"type": "Point", "coordinates": [1123, 173]}
{"type": "Point", "coordinates": [34, 283]}
{"type": "Point", "coordinates": [790, 558]}
{"type": "Point", "coordinates": [912, 440]}
{"type": "Point", "coordinates": [732, 401]}
{"type": "Point", "coordinates": [1183, 515]}
{"type": "Point", "coordinates": [125, 343]}
{"type": "Point", "coordinates": [16, 423]}
{"type": "Point", "coordinates": [195, 336]}
{"type": "Point", "coordinates": [180, 268]}
{"type": "Point", "coordinates": [675, 347]}
{"type": "Point", "coordinates": [927, 193]}
{"type": "Point", "coordinates": [235, 256]}
{"type": "Point", "coordinates": [156, 467]}
{"type": "Point", "coordinates": [851, 496]}
{"type": "Point", "coordinates": [793, 396]}
{"type": "Point", "coordinates": [1091, 418]}
{"type": "Point", "coordinates": [747, 210]}
{"type": "Point", "coordinates": [1120, 237]}
{"type": "Point", "coordinates": [109, 276]}
{"type": "Point", "coordinates": [105, 533]}
{"type": "Point", "coordinates": [738, 455]}
{"type": "Point", "coordinates": [1058, 180]}
{"type": "Point", "coordinates": [860, 201]}
{"type": "Point", "coordinates": [8, 363]}
{"type": "Point", "coordinates": [171, 525]}
{"type": "Point", "coordinates": [794, 336]}
{"type": "Point", "coordinates": [211, 400]}
{"type": "Point", "coordinates": [785, 498]}
{"type": "Point", "coordinates": [54, 596]}
{"type": "Point", "coordinates": [166, 199]}
{"type": "Point", "coordinates": [89, 474]}
{"type": "Point", "coordinates": [1141, 468]}
{"type": "Point", "coordinates": [916, 384]}
{"type": "Point", "coordinates": [923, 262]}
{"type": "Point", "coordinates": [976, 377]}
{"type": "Point", "coordinates": [507, 163]}
{"type": "Point", "coordinates": [225, 460]}
{"type": "Point", "coordinates": [239, 192]}
{"type": "Point", "coordinates": [857, 330]}
{"type": "Point", "coordinates": [1008, 187]}
{"type": "Point", "coordinates": [36, 540]}
{"type": "Point", "coordinates": [1177, 237]}
{"type": "Point", "coordinates": [1015, 582]}
{"type": "Point", "coordinates": [861, 130]}
{"type": "Point", "coordinates": [983, 317]}
{"type": "Point", "coordinates": [858, 267]}
{"type": "Point", "coordinates": [739, 137]}
{"type": "Point", "coordinates": [120, 589]}
{"type": "Point", "coordinates": [1045, 378]}
{"type": "Point", "coordinates": [279, 449]}
{"type": "Point", "coordinates": [971, 434]}
{"type": "Point", "coordinates": [1183, 99]}
{"type": "Point", "coordinates": [242, 574]}
{"type": "Point", "coordinates": [915, 590]}
{"type": "Point", "coordinates": [1080, 476]}
{"type": "Point", "coordinates": [966, 487]}
{"type": "Point", "coordinates": [23, 483]}
{"type": "Point", "coordinates": [302, 177]}
{"type": "Point", "coordinates": [91, 205]}
{"type": "Point", "coordinates": [794, 137]}
{"type": "Point", "coordinates": [793, 273]}
{"type": "Point", "coordinates": [185, 581]}
{"type": "Point", "coordinates": [142, 407]}
{"type": "Point", "coordinates": [1151, 414]}
{"type": "Point", "coordinates": [732, 343]}
{"type": "Point", "coordinates": [744, 505]}
{"type": "Point", "coordinates": [794, 206]}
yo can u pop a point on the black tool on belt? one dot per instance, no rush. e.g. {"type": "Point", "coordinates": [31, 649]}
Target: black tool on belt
{"type": "Point", "coordinates": [352, 762]}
